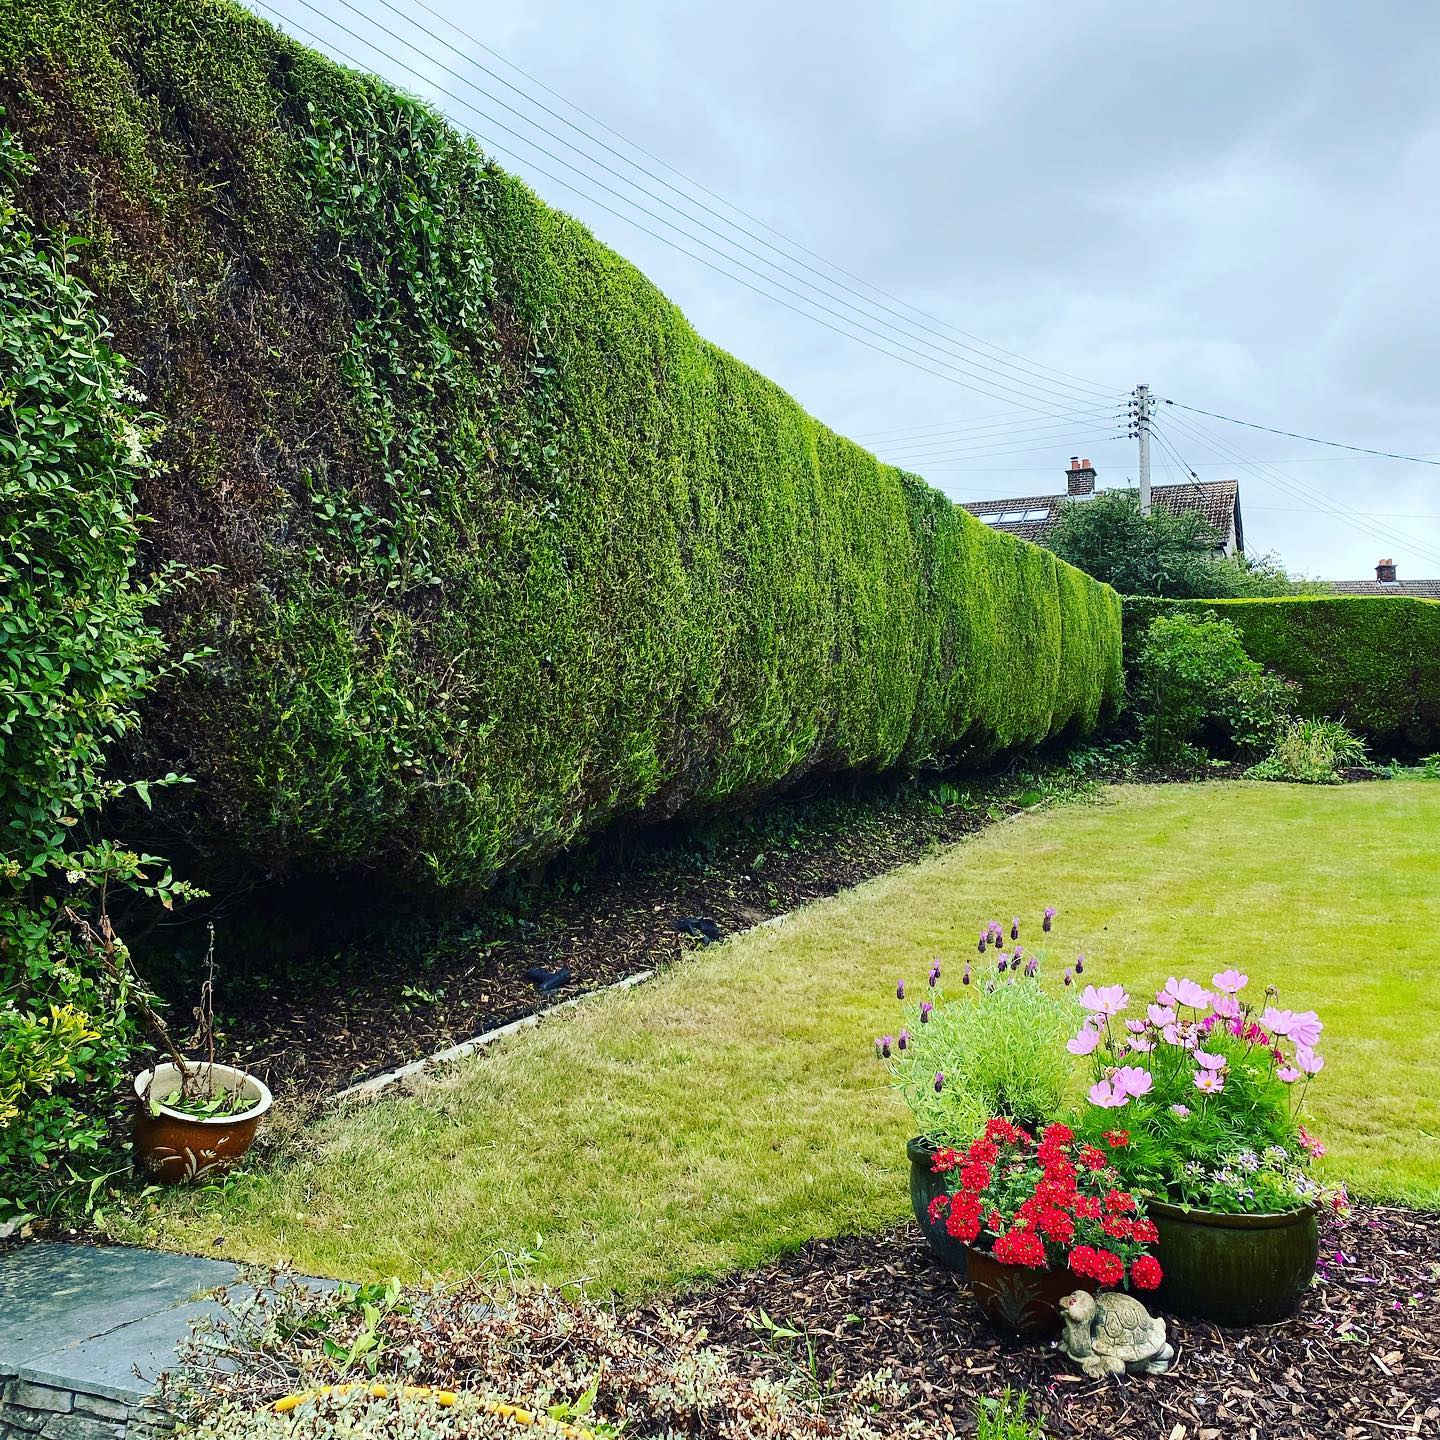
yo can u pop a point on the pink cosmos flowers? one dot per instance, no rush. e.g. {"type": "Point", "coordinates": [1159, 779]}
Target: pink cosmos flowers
{"type": "Point", "coordinates": [1230, 982]}
{"type": "Point", "coordinates": [1185, 992]}
{"type": "Point", "coordinates": [1305, 1029]}
{"type": "Point", "coordinates": [1108, 1095]}
{"type": "Point", "coordinates": [1209, 1082]}
{"type": "Point", "coordinates": [1288, 1073]}
{"type": "Point", "coordinates": [1107, 1000]}
{"type": "Point", "coordinates": [1278, 1022]}
{"type": "Point", "coordinates": [1084, 1042]}
{"type": "Point", "coordinates": [1227, 1007]}
{"type": "Point", "coordinates": [1160, 1015]}
{"type": "Point", "coordinates": [1308, 1060]}
{"type": "Point", "coordinates": [1127, 1083]}
{"type": "Point", "coordinates": [1133, 1080]}
{"type": "Point", "coordinates": [1210, 1062]}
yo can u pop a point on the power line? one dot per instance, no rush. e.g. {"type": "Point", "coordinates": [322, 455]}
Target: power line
{"type": "Point", "coordinates": [969, 432]}
{"type": "Point", "coordinates": [1030, 445]}
{"type": "Point", "coordinates": [1056, 427]}
{"type": "Point", "coordinates": [1295, 435]}
{"type": "Point", "coordinates": [1320, 501]}
{"type": "Point", "coordinates": [946, 357]}
{"type": "Point", "coordinates": [729, 204]}
{"type": "Point", "coordinates": [974, 422]}
{"type": "Point", "coordinates": [1052, 443]}
{"type": "Point", "coordinates": [1267, 473]}
{"type": "Point", "coordinates": [1170, 450]}
{"type": "Point", "coordinates": [629, 219]}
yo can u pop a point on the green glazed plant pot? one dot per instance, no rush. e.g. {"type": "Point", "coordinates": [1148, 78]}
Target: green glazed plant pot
{"type": "Point", "coordinates": [1019, 1299]}
{"type": "Point", "coordinates": [925, 1185]}
{"type": "Point", "coordinates": [1234, 1269]}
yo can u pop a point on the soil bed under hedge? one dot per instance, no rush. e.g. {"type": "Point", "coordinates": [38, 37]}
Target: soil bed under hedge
{"type": "Point", "coordinates": [1359, 1359]}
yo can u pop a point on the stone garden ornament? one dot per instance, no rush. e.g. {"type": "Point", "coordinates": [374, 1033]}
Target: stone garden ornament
{"type": "Point", "coordinates": [1110, 1334]}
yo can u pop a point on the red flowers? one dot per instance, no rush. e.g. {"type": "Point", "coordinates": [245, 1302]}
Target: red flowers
{"type": "Point", "coordinates": [1102, 1265]}
{"type": "Point", "coordinates": [1021, 1247]}
{"type": "Point", "coordinates": [1117, 1139]}
{"type": "Point", "coordinates": [945, 1160]}
{"type": "Point", "coordinates": [1054, 1204]}
{"type": "Point", "coordinates": [1145, 1272]}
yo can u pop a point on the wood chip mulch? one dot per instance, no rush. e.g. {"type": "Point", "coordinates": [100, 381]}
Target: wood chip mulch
{"type": "Point", "coordinates": [1359, 1361]}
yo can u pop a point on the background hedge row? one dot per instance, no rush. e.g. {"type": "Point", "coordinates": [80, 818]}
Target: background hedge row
{"type": "Point", "coordinates": [488, 546]}
{"type": "Point", "coordinates": [1372, 661]}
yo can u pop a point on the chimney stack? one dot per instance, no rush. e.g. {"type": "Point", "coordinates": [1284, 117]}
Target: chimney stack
{"type": "Point", "coordinates": [1385, 572]}
{"type": "Point", "coordinates": [1080, 477]}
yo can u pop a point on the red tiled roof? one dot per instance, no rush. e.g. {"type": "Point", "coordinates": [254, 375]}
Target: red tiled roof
{"type": "Point", "coordinates": [1419, 589]}
{"type": "Point", "coordinates": [1216, 500]}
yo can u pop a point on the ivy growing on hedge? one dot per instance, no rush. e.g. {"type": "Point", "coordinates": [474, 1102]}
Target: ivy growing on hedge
{"type": "Point", "coordinates": [1372, 661]}
{"type": "Point", "coordinates": [495, 547]}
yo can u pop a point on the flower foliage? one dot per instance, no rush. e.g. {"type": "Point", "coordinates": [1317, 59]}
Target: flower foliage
{"type": "Point", "coordinates": [1210, 1088]}
{"type": "Point", "coordinates": [1055, 1202]}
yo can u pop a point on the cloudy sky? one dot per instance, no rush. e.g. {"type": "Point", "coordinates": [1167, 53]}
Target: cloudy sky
{"type": "Point", "coordinates": [1232, 202]}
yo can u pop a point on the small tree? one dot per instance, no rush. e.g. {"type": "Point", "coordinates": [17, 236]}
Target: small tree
{"type": "Point", "coordinates": [1193, 678]}
{"type": "Point", "coordinates": [1162, 553]}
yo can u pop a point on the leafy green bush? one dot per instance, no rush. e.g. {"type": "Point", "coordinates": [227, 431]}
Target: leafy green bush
{"type": "Point", "coordinates": [1371, 661]}
{"type": "Point", "coordinates": [78, 655]}
{"type": "Point", "coordinates": [1192, 674]}
{"type": "Point", "coordinates": [499, 549]}
{"type": "Point", "coordinates": [1310, 751]}
{"type": "Point", "coordinates": [997, 1050]}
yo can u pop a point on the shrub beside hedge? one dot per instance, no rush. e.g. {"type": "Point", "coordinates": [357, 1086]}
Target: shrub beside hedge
{"type": "Point", "coordinates": [1372, 661]}
{"type": "Point", "coordinates": [492, 547]}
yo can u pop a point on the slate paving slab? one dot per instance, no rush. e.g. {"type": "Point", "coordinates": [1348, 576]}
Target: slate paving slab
{"type": "Point", "coordinates": [76, 1324]}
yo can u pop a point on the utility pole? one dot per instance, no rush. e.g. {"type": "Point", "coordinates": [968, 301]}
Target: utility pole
{"type": "Point", "coordinates": [1142, 432]}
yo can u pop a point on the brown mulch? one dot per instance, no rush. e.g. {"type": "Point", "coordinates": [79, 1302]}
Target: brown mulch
{"type": "Point", "coordinates": [1360, 1359]}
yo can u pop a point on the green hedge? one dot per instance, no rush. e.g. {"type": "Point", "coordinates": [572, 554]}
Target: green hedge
{"type": "Point", "coordinates": [490, 547]}
{"type": "Point", "coordinates": [1370, 660]}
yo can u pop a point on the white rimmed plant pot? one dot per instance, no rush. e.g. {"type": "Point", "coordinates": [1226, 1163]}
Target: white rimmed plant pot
{"type": "Point", "coordinates": [171, 1146]}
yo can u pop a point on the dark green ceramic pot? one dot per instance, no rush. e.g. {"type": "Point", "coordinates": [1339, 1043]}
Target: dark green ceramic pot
{"type": "Point", "coordinates": [1234, 1269]}
{"type": "Point", "coordinates": [925, 1185]}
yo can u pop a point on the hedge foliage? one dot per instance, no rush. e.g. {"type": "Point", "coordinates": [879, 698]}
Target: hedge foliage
{"type": "Point", "coordinates": [1372, 661]}
{"type": "Point", "coordinates": [492, 548]}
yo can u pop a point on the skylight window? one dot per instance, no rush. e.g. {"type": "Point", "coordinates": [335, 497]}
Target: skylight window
{"type": "Point", "coordinates": [1011, 517]}
{"type": "Point", "coordinates": [1042, 513]}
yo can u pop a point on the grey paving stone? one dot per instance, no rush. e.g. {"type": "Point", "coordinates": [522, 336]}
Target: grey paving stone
{"type": "Point", "coordinates": [53, 1295]}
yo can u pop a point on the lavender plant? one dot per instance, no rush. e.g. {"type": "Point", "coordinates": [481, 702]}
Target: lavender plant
{"type": "Point", "coordinates": [993, 1045]}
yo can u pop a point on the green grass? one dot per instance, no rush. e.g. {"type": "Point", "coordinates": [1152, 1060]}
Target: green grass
{"type": "Point", "coordinates": [732, 1107]}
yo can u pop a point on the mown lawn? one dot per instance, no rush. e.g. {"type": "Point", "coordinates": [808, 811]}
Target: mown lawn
{"type": "Point", "coordinates": [733, 1108]}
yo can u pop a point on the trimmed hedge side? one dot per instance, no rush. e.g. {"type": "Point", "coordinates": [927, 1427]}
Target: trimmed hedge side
{"type": "Point", "coordinates": [1370, 660]}
{"type": "Point", "coordinates": [490, 547]}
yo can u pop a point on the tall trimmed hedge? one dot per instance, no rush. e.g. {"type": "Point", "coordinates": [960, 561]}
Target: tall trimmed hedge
{"type": "Point", "coordinates": [489, 546]}
{"type": "Point", "coordinates": [1370, 660]}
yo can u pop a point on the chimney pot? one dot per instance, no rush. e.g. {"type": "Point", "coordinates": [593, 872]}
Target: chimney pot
{"type": "Point", "coordinates": [1080, 477]}
{"type": "Point", "coordinates": [1385, 572]}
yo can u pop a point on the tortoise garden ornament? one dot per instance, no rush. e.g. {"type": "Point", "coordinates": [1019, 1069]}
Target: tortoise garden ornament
{"type": "Point", "coordinates": [1109, 1334]}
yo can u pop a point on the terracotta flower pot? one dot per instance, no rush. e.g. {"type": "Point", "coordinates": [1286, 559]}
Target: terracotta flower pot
{"type": "Point", "coordinates": [171, 1146]}
{"type": "Point", "coordinates": [1024, 1301]}
{"type": "Point", "coordinates": [925, 1185]}
{"type": "Point", "coordinates": [1234, 1269]}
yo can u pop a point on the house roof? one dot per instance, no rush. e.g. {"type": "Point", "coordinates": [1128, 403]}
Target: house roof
{"type": "Point", "coordinates": [1419, 589]}
{"type": "Point", "coordinates": [1030, 517]}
